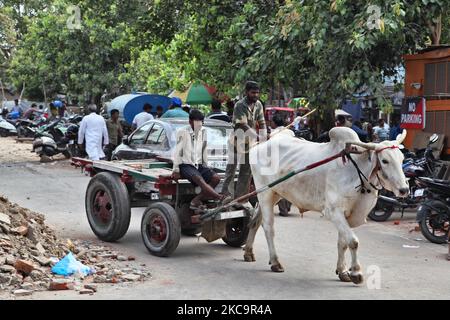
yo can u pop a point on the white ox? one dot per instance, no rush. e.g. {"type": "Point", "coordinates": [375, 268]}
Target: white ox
{"type": "Point", "coordinates": [331, 188]}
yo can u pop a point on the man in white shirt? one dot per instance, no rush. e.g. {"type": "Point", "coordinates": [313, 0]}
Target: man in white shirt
{"type": "Point", "coordinates": [93, 129]}
{"type": "Point", "coordinates": [143, 117]}
{"type": "Point", "coordinates": [381, 132]}
{"type": "Point", "coordinates": [190, 160]}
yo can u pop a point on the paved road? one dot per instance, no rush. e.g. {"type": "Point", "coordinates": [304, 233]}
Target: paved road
{"type": "Point", "coordinates": [198, 270]}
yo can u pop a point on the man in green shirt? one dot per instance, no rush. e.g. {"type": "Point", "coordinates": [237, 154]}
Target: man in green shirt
{"type": "Point", "coordinates": [115, 133]}
{"type": "Point", "coordinates": [249, 125]}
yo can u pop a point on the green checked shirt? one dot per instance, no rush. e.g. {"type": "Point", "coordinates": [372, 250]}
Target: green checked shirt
{"type": "Point", "coordinates": [245, 114]}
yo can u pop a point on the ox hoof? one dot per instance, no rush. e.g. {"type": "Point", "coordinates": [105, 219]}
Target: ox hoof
{"type": "Point", "coordinates": [249, 257]}
{"type": "Point", "coordinates": [344, 276]}
{"type": "Point", "coordinates": [357, 278]}
{"type": "Point", "coordinates": [277, 268]}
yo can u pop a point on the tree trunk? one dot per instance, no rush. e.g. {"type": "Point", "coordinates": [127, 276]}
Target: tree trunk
{"type": "Point", "coordinates": [435, 30]}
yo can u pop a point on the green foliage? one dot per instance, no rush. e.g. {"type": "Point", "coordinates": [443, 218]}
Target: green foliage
{"type": "Point", "coordinates": [325, 50]}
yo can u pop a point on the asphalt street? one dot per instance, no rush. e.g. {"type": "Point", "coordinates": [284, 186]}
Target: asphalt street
{"type": "Point", "coordinates": [398, 264]}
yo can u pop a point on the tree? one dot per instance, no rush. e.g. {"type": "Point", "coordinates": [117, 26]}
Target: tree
{"type": "Point", "coordinates": [85, 59]}
{"type": "Point", "coordinates": [7, 40]}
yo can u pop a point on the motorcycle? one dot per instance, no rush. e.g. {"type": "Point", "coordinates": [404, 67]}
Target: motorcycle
{"type": "Point", "coordinates": [413, 168]}
{"type": "Point", "coordinates": [56, 138]}
{"type": "Point", "coordinates": [433, 215]}
{"type": "Point", "coordinates": [25, 127]}
{"type": "Point", "coordinates": [305, 133]}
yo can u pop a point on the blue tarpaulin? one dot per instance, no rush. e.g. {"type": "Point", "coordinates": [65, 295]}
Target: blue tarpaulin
{"type": "Point", "coordinates": [354, 109]}
{"type": "Point", "coordinates": [129, 105]}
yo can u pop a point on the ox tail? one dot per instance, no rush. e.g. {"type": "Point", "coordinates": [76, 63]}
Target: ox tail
{"type": "Point", "coordinates": [256, 220]}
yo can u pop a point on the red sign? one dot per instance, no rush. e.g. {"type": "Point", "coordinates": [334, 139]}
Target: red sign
{"type": "Point", "coordinates": [413, 114]}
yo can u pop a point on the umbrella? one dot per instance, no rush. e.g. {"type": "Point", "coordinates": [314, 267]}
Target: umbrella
{"type": "Point", "coordinates": [200, 94]}
{"type": "Point", "coordinates": [300, 102]}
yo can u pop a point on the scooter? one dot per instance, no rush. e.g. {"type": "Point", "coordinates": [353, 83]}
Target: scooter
{"type": "Point", "coordinates": [6, 128]}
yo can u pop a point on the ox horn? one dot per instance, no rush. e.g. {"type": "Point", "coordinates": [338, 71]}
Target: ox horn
{"type": "Point", "coordinates": [401, 137]}
{"type": "Point", "coordinates": [369, 146]}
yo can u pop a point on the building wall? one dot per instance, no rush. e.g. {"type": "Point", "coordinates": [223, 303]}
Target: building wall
{"type": "Point", "coordinates": [432, 71]}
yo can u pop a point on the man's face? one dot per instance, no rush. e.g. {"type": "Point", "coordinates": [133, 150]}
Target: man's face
{"type": "Point", "coordinates": [196, 125]}
{"type": "Point", "coordinates": [115, 116]}
{"type": "Point", "coordinates": [253, 95]}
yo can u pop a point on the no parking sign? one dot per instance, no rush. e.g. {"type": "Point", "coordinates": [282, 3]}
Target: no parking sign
{"type": "Point", "coordinates": [413, 113]}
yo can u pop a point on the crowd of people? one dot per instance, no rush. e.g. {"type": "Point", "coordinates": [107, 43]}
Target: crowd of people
{"type": "Point", "coordinates": [371, 132]}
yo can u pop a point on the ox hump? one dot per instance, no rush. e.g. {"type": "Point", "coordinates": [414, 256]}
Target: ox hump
{"type": "Point", "coordinates": [341, 135]}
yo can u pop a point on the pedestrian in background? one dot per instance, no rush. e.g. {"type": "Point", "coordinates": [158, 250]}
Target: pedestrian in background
{"type": "Point", "coordinates": [93, 130]}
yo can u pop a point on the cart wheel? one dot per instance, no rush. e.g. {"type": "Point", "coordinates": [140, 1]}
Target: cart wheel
{"type": "Point", "coordinates": [236, 232]}
{"type": "Point", "coordinates": [160, 229]}
{"type": "Point", "coordinates": [108, 207]}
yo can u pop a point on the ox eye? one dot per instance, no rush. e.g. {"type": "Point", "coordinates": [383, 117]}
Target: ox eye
{"type": "Point", "coordinates": [385, 161]}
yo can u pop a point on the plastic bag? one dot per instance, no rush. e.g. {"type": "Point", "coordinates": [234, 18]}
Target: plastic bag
{"type": "Point", "coordinates": [70, 265]}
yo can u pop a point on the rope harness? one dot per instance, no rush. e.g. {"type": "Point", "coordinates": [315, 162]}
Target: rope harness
{"type": "Point", "coordinates": [362, 178]}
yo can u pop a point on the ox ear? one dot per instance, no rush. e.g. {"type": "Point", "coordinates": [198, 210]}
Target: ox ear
{"type": "Point", "coordinates": [401, 137]}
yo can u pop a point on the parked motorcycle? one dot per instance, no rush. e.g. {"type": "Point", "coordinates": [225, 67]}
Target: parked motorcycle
{"type": "Point", "coordinates": [413, 168]}
{"type": "Point", "coordinates": [56, 138]}
{"type": "Point", "coordinates": [305, 133]}
{"type": "Point", "coordinates": [433, 215]}
{"type": "Point", "coordinates": [25, 128]}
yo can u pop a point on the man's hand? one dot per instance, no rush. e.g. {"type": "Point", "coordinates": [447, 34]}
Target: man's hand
{"type": "Point", "coordinates": [176, 176]}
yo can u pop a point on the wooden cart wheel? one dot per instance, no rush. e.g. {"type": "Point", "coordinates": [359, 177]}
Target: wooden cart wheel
{"type": "Point", "coordinates": [108, 207]}
{"type": "Point", "coordinates": [160, 229]}
{"type": "Point", "coordinates": [236, 232]}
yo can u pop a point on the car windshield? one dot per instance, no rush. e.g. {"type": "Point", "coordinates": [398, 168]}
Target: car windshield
{"type": "Point", "coordinates": [217, 136]}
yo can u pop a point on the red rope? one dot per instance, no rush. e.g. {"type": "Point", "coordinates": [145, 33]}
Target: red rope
{"type": "Point", "coordinates": [391, 147]}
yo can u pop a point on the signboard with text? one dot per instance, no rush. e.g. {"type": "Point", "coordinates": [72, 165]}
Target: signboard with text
{"type": "Point", "coordinates": [413, 114]}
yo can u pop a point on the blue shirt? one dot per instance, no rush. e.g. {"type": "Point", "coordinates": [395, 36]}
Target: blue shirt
{"type": "Point", "coordinates": [361, 133]}
{"type": "Point", "coordinates": [175, 113]}
{"type": "Point", "coordinates": [395, 131]}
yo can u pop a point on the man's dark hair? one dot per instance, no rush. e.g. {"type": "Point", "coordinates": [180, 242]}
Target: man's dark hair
{"type": "Point", "coordinates": [16, 100]}
{"type": "Point", "coordinates": [33, 105]}
{"type": "Point", "coordinates": [147, 106]}
{"type": "Point", "coordinates": [279, 119]}
{"type": "Point", "coordinates": [41, 106]}
{"type": "Point", "coordinates": [341, 119]}
{"type": "Point", "coordinates": [159, 108]}
{"type": "Point", "coordinates": [113, 111]}
{"type": "Point", "coordinates": [186, 109]}
{"type": "Point", "coordinates": [251, 85]}
{"type": "Point", "coordinates": [380, 120]}
{"type": "Point", "coordinates": [216, 105]}
{"type": "Point", "coordinates": [196, 115]}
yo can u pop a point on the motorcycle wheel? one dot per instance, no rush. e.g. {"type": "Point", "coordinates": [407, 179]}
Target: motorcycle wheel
{"type": "Point", "coordinates": [381, 212]}
{"type": "Point", "coordinates": [435, 224]}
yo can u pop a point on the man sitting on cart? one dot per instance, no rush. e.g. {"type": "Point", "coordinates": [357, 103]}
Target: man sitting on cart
{"type": "Point", "coordinates": [190, 160]}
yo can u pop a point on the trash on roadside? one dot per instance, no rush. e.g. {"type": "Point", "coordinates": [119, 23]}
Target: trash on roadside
{"type": "Point", "coordinates": [70, 265]}
{"type": "Point", "coordinates": [396, 222]}
{"type": "Point", "coordinates": [410, 247]}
